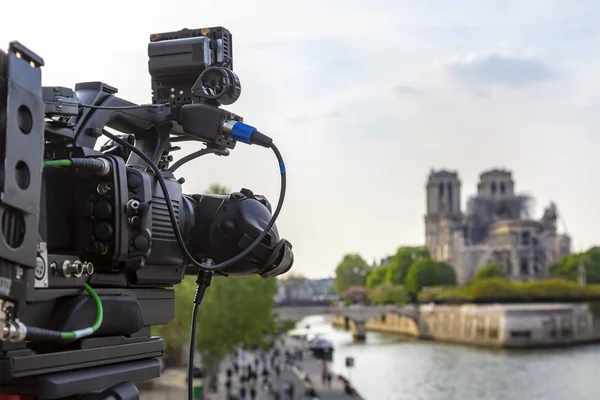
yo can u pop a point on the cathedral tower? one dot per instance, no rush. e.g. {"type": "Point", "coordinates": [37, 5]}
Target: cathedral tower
{"type": "Point", "coordinates": [443, 211]}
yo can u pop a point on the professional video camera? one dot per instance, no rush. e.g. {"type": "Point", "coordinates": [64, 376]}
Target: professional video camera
{"type": "Point", "coordinates": [112, 220]}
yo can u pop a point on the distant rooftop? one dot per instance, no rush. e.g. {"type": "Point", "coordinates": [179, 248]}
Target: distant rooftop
{"type": "Point", "coordinates": [495, 172]}
{"type": "Point", "coordinates": [442, 173]}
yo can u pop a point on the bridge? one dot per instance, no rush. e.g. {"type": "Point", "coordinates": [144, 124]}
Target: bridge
{"type": "Point", "coordinates": [357, 313]}
{"type": "Point", "coordinates": [352, 317]}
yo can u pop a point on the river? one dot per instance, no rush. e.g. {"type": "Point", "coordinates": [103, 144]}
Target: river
{"type": "Point", "coordinates": [390, 368]}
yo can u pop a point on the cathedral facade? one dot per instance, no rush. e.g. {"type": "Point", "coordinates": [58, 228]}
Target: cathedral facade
{"type": "Point", "coordinates": [496, 227]}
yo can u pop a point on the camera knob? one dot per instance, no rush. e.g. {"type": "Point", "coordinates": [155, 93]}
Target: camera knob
{"type": "Point", "coordinates": [133, 181]}
{"type": "Point", "coordinates": [227, 227]}
{"type": "Point", "coordinates": [104, 231]}
{"type": "Point", "coordinates": [103, 210]}
{"type": "Point", "coordinates": [141, 243]}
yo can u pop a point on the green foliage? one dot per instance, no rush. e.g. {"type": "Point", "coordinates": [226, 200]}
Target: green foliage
{"type": "Point", "coordinates": [176, 333]}
{"type": "Point", "coordinates": [225, 319]}
{"type": "Point", "coordinates": [284, 326]}
{"type": "Point", "coordinates": [376, 277]}
{"type": "Point", "coordinates": [399, 266]}
{"type": "Point", "coordinates": [388, 294]}
{"type": "Point", "coordinates": [567, 266]}
{"type": "Point", "coordinates": [217, 188]}
{"type": "Point", "coordinates": [351, 271]}
{"type": "Point", "coordinates": [356, 295]}
{"type": "Point", "coordinates": [427, 272]}
{"type": "Point", "coordinates": [499, 289]}
{"type": "Point", "coordinates": [281, 327]}
{"type": "Point", "coordinates": [235, 311]}
{"type": "Point", "coordinates": [489, 271]}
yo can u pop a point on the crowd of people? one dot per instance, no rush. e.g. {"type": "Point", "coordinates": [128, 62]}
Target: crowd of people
{"type": "Point", "coordinates": [250, 371]}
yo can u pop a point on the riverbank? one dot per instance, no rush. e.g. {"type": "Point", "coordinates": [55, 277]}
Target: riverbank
{"type": "Point", "coordinates": [171, 385]}
{"type": "Point", "coordinates": [303, 375]}
{"type": "Point", "coordinates": [309, 370]}
{"type": "Point", "coordinates": [527, 325]}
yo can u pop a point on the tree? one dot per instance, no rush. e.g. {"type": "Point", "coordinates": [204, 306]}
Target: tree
{"type": "Point", "coordinates": [355, 295]}
{"type": "Point", "coordinates": [377, 276]}
{"type": "Point", "coordinates": [502, 290]}
{"type": "Point", "coordinates": [388, 294]}
{"type": "Point", "coordinates": [226, 321]}
{"type": "Point", "coordinates": [351, 271]}
{"type": "Point", "coordinates": [489, 271]}
{"type": "Point", "coordinates": [401, 262]}
{"type": "Point", "coordinates": [217, 188]}
{"type": "Point", "coordinates": [567, 266]}
{"type": "Point", "coordinates": [429, 273]}
{"type": "Point", "coordinates": [176, 333]}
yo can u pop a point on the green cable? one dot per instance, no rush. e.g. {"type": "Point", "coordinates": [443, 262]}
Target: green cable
{"type": "Point", "coordinates": [99, 315]}
{"type": "Point", "coordinates": [57, 163]}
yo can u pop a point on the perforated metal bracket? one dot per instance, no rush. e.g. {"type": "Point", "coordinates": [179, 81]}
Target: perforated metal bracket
{"type": "Point", "coordinates": [23, 157]}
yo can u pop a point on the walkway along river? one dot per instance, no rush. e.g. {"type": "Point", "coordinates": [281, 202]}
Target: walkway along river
{"type": "Point", "coordinates": [391, 368]}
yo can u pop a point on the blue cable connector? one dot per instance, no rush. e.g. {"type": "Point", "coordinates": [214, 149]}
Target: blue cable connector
{"type": "Point", "coordinates": [241, 132]}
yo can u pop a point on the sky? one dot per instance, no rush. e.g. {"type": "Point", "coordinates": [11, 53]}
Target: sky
{"type": "Point", "coordinates": [364, 98]}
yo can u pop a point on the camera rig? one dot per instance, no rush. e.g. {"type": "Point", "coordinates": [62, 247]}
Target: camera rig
{"type": "Point", "coordinates": [112, 220]}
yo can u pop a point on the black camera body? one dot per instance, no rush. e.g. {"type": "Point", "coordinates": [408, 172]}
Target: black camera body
{"type": "Point", "coordinates": [119, 224]}
{"type": "Point", "coordinates": [114, 218]}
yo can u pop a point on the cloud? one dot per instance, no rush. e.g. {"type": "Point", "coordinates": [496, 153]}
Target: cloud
{"type": "Point", "coordinates": [500, 69]}
{"type": "Point", "coordinates": [405, 90]}
{"type": "Point", "coordinates": [304, 118]}
{"type": "Point", "coordinates": [323, 54]}
{"type": "Point", "coordinates": [299, 119]}
{"type": "Point", "coordinates": [332, 114]}
{"type": "Point", "coordinates": [299, 62]}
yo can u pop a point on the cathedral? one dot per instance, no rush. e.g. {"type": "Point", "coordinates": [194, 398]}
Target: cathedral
{"type": "Point", "coordinates": [496, 227]}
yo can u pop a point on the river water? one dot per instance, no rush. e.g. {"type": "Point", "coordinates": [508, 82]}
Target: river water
{"type": "Point", "coordinates": [390, 368]}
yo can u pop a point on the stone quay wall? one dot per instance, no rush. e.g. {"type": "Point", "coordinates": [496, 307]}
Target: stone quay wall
{"type": "Point", "coordinates": [495, 325]}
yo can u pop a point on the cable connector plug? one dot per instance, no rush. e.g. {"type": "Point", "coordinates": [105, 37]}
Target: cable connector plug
{"type": "Point", "coordinates": [245, 133]}
{"type": "Point", "coordinates": [202, 283]}
{"type": "Point", "coordinates": [99, 166]}
{"type": "Point", "coordinates": [13, 331]}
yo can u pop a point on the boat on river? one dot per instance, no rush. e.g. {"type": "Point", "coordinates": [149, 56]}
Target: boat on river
{"type": "Point", "coordinates": [321, 348]}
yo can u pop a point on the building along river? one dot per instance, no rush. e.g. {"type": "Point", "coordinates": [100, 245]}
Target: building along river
{"type": "Point", "coordinates": [391, 368]}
